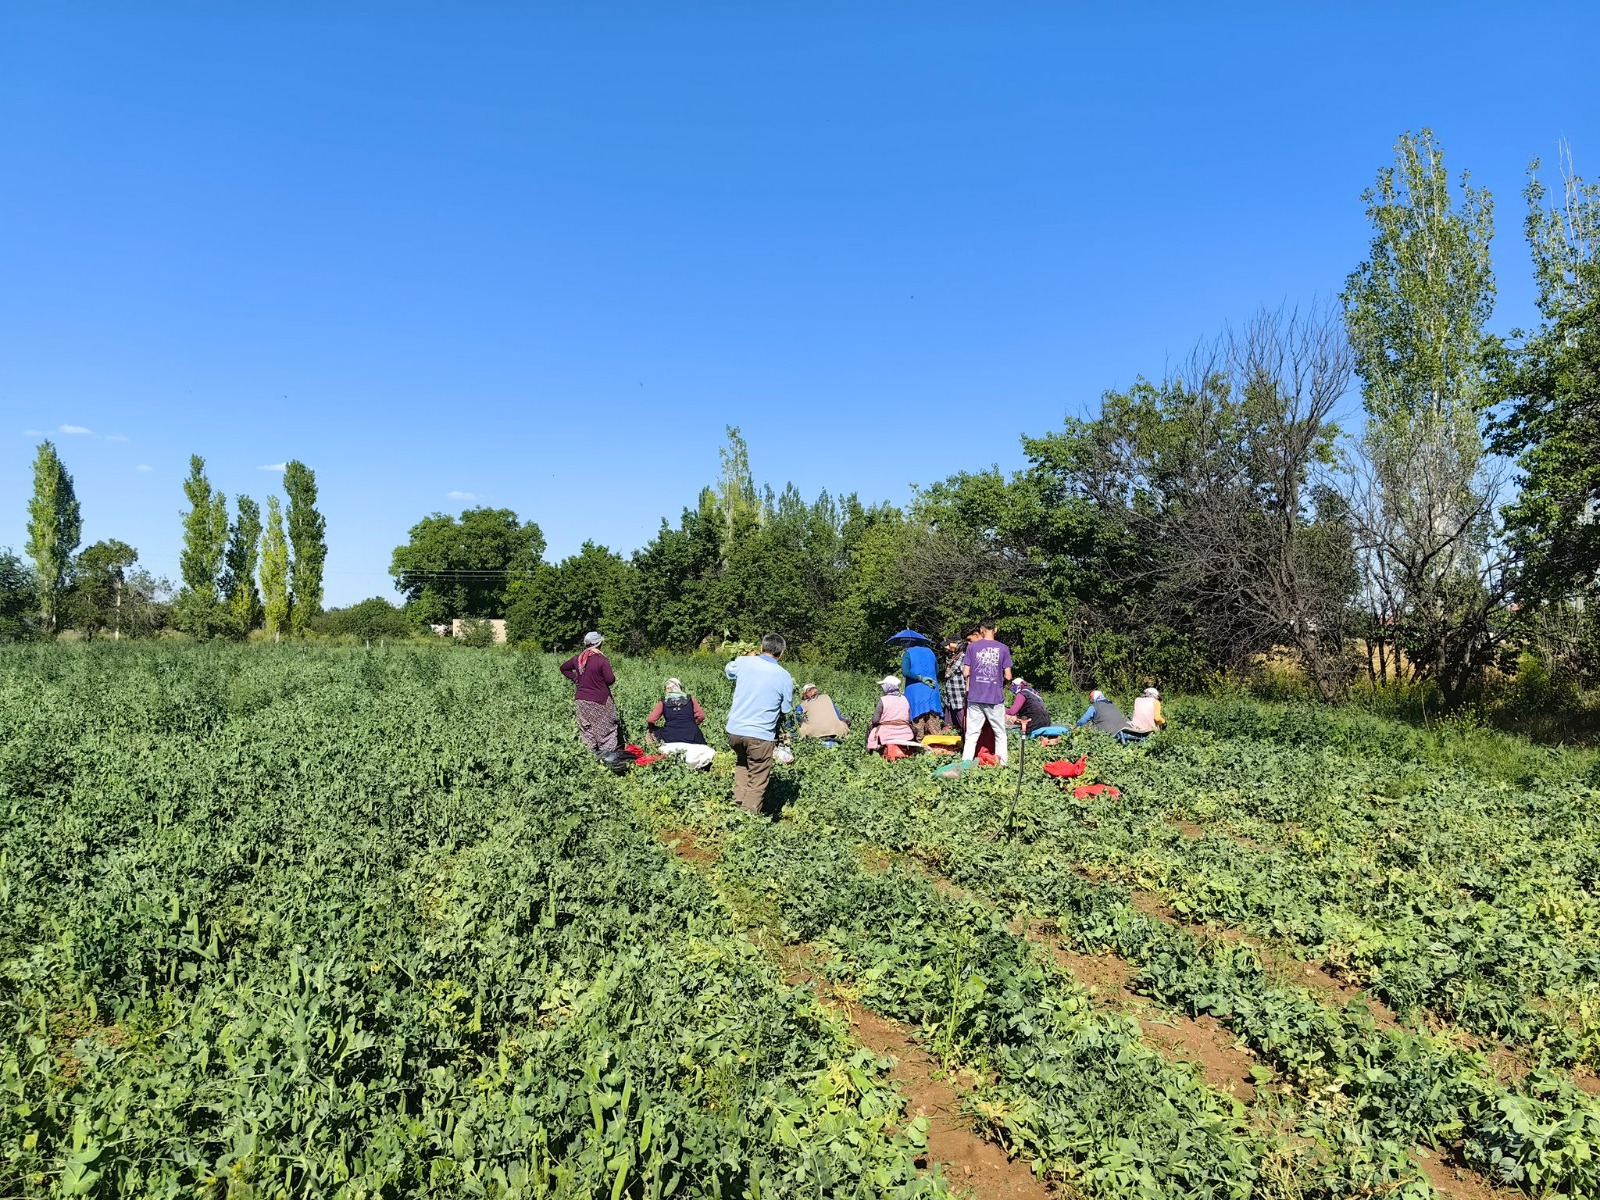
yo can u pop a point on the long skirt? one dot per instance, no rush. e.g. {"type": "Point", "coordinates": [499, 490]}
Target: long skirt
{"type": "Point", "coordinates": [597, 725]}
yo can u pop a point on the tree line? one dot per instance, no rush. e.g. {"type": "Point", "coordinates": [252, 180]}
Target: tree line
{"type": "Point", "coordinates": [237, 575]}
{"type": "Point", "coordinates": [1215, 517]}
{"type": "Point", "coordinates": [1232, 513]}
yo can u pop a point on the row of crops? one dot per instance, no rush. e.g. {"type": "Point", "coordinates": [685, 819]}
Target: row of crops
{"type": "Point", "coordinates": [1458, 868]}
{"type": "Point", "coordinates": [345, 924]}
{"type": "Point", "coordinates": [340, 922]}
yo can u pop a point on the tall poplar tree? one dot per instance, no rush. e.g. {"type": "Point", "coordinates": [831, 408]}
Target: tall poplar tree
{"type": "Point", "coordinates": [239, 571]}
{"type": "Point", "coordinates": [198, 610]}
{"type": "Point", "coordinates": [55, 526]}
{"type": "Point", "coordinates": [1552, 423]}
{"type": "Point", "coordinates": [1415, 311]}
{"type": "Point", "coordinates": [307, 539]}
{"type": "Point", "coordinates": [274, 573]}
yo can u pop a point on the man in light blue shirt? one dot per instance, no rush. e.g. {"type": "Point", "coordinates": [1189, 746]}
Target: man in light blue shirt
{"type": "Point", "coordinates": [763, 693]}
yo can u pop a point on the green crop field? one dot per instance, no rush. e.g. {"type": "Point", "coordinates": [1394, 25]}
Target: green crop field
{"type": "Point", "coordinates": [289, 921]}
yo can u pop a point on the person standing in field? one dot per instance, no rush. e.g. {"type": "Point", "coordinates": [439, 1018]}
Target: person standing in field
{"type": "Point", "coordinates": [987, 667]}
{"type": "Point", "coordinates": [763, 693]}
{"type": "Point", "coordinates": [955, 682]}
{"type": "Point", "coordinates": [597, 711]}
{"type": "Point", "coordinates": [921, 669]}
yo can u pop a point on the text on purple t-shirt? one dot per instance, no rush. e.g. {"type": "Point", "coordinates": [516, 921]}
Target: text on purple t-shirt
{"type": "Point", "coordinates": [989, 662]}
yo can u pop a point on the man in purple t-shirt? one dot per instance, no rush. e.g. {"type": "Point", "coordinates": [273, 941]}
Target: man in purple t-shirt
{"type": "Point", "coordinates": [987, 666]}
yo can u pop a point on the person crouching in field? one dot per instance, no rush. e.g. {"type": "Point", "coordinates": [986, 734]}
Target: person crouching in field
{"type": "Point", "coordinates": [1105, 717]}
{"type": "Point", "coordinates": [1028, 709]}
{"type": "Point", "coordinates": [674, 724]}
{"type": "Point", "coordinates": [1147, 714]}
{"type": "Point", "coordinates": [817, 716]}
{"type": "Point", "coordinates": [891, 722]}
{"type": "Point", "coordinates": [597, 712]}
{"type": "Point", "coordinates": [763, 693]}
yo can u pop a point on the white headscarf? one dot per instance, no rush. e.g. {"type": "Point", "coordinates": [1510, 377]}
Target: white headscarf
{"type": "Point", "coordinates": [889, 683]}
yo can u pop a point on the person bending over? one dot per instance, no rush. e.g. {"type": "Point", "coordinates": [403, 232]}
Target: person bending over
{"type": "Point", "coordinates": [674, 724]}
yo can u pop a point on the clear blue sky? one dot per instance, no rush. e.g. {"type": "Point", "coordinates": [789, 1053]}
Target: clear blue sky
{"type": "Point", "coordinates": [542, 254]}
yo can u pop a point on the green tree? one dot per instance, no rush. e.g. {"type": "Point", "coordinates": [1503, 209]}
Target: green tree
{"type": "Point", "coordinates": [239, 567]}
{"type": "Point", "coordinates": [464, 568]}
{"type": "Point", "coordinates": [736, 489]}
{"type": "Point", "coordinates": [1551, 425]}
{"type": "Point", "coordinates": [308, 541]}
{"type": "Point", "coordinates": [559, 604]}
{"type": "Point", "coordinates": [274, 573]}
{"type": "Point", "coordinates": [19, 599]}
{"type": "Point", "coordinates": [1415, 311]}
{"type": "Point", "coordinates": [369, 621]}
{"type": "Point", "coordinates": [100, 587]}
{"type": "Point", "coordinates": [198, 610]}
{"type": "Point", "coordinates": [55, 527]}
{"type": "Point", "coordinates": [1212, 515]}
{"type": "Point", "coordinates": [675, 579]}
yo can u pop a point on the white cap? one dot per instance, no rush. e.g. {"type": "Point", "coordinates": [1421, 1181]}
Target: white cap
{"type": "Point", "coordinates": [890, 683]}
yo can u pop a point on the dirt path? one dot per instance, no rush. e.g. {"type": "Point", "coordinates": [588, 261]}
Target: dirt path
{"type": "Point", "coordinates": [1201, 1042]}
{"type": "Point", "coordinates": [1285, 967]}
{"type": "Point", "coordinates": [966, 1159]}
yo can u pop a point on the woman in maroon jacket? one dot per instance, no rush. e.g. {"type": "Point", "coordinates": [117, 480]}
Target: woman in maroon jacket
{"type": "Point", "coordinates": [597, 712]}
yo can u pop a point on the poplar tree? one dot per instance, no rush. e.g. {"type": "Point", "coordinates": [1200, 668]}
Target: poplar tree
{"type": "Point", "coordinates": [1415, 311]}
{"type": "Point", "coordinates": [55, 526]}
{"type": "Point", "coordinates": [307, 540]}
{"type": "Point", "coordinates": [198, 611]}
{"type": "Point", "coordinates": [239, 574]}
{"type": "Point", "coordinates": [274, 573]}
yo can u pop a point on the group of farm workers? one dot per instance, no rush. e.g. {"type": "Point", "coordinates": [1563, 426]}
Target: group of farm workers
{"type": "Point", "coordinates": [976, 673]}
{"type": "Point", "coordinates": [925, 710]}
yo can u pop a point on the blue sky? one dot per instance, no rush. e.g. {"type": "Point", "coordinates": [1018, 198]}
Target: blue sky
{"type": "Point", "coordinates": [541, 255]}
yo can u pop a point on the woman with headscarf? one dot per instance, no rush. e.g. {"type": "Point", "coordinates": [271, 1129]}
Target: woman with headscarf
{"type": "Point", "coordinates": [679, 717]}
{"type": "Point", "coordinates": [1028, 707]}
{"type": "Point", "coordinates": [817, 716]}
{"type": "Point", "coordinates": [921, 668]}
{"type": "Point", "coordinates": [1107, 718]}
{"type": "Point", "coordinates": [891, 720]}
{"type": "Point", "coordinates": [1147, 714]}
{"type": "Point", "coordinates": [597, 712]}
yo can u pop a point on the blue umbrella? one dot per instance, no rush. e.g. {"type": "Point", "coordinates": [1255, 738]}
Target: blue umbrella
{"type": "Point", "coordinates": [908, 635]}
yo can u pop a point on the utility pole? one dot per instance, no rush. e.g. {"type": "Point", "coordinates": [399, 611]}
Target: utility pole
{"type": "Point", "coordinates": [116, 632]}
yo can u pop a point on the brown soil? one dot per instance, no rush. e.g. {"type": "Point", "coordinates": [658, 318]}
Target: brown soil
{"type": "Point", "coordinates": [1293, 970]}
{"type": "Point", "coordinates": [1456, 1182]}
{"type": "Point", "coordinates": [685, 844]}
{"type": "Point", "coordinates": [966, 1159]}
{"type": "Point", "coordinates": [1587, 1080]}
{"type": "Point", "coordinates": [1190, 830]}
{"type": "Point", "coordinates": [1200, 1041]}
{"type": "Point", "coordinates": [969, 1161]}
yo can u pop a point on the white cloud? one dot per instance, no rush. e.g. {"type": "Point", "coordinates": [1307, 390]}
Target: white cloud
{"type": "Point", "coordinates": [77, 429]}
{"type": "Point", "coordinates": [33, 433]}
{"type": "Point", "coordinates": [271, 466]}
{"type": "Point", "coordinates": [462, 495]}
{"type": "Point", "coordinates": [116, 437]}
{"type": "Point", "coordinates": [143, 467]}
